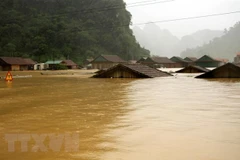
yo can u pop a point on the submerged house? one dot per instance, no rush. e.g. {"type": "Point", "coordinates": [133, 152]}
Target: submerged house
{"type": "Point", "coordinates": [131, 71]}
{"type": "Point", "coordinates": [69, 64]}
{"type": "Point", "coordinates": [159, 62]}
{"type": "Point", "coordinates": [192, 69]}
{"type": "Point", "coordinates": [179, 61]}
{"type": "Point", "coordinates": [207, 61]}
{"type": "Point", "coordinates": [16, 64]}
{"type": "Point", "coordinates": [106, 61]}
{"type": "Point", "coordinates": [190, 59]}
{"type": "Point", "coordinates": [54, 64]}
{"type": "Point", "coordinates": [228, 70]}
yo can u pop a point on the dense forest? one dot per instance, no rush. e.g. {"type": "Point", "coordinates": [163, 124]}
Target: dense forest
{"type": "Point", "coordinates": [66, 29]}
{"type": "Point", "coordinates": [222, 47]}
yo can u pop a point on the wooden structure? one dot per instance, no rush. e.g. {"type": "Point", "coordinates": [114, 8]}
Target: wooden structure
{"type": "Point", "coordinates": [207, 61]}
{"type": "Point", "coordinates": [16, 64]}
{"type": "Point", "coordinates": [30, 63]}
{"type": "Point", "coordinates": [106, 61]}
{"type": "Point", "coordinates": [192, 69]}
{"type": "Point", "coordinates": [179, 61]}
{"type": "Point", "coordinates": [159, 62]}
{"type": "Point", "coordinates": [131, 71]}
{"type": "Point", "coordinates": [70, 64]}
{"type": "Point", "coordinates": [228, 70]}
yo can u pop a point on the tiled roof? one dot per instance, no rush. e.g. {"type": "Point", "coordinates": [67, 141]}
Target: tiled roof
{"type": "Point", "coordinates": [200, 69]}
{"type": "Point", "coordinates": [142, 71]}
{"type": "Point", "coordinates": [113, 58]}
{"type": "Point", "coordinates": [228, 70]}
{"type": "Point", "coordinates": [69, 63]}
{"type": "Point", "coordinates": [17, 61]}
{"type": "Point", "coordinates": [191, 58]}
{"type": "Point", "coordinates": [162, 60]}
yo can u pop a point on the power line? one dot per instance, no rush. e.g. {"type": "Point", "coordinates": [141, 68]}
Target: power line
{"type": "Point", "coordinates": [188, 18]}
{"type": "Point", "coordinates": [143, 3]}
{"type": "Point", "coordinates": [164, 21]}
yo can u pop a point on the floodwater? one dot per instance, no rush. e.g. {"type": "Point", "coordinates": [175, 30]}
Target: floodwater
{"type": "Point", "coordinates": [172, 118]}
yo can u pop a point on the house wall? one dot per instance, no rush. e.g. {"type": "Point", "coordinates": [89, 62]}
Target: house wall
{"type": "Point", "coordinates": [24, 67]}
{"type": "Point", "coordinates": [40, 66]}
{"type": "Point", "coordinates": [15, 68]}
{"type": "Point", "coordinates": [1, 69]}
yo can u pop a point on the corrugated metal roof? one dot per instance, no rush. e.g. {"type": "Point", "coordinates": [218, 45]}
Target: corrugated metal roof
{"type": "Point", "coordinates": [54, 62]}
{"type": "Point", "coordinates": [143, 71]}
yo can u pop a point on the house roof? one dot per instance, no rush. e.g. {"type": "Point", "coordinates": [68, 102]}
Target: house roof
{"type": "Point", "coordinates": [29, 61]}
{"type": "Point", "coordinates": [190, 58]}
{"type": "Point", "coordinates": [54, 62]}
{"type": "Point", "coordinates": [206, 58]}
{"type": "Point", "coordinates": [178, 59]}
{"type": "Point", "coordinates": [189, 69]}
{"type": "Point", "coordinates": [228, 70]}
{"type": "Point", "coordinates": [69, 63]}
{"type": "Point", "coordinates": [161, 60]}
{"type": "Point", "coordinates": [17, 61]}
{"type": "Point", "coordinates": [111, 58]}
{"type": "Point", "coordinates": [142, 71]}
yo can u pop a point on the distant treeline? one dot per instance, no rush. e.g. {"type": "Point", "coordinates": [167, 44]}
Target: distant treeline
{"type": "Point", "coordinates": [61, 29]}
{"type": "Point", "coordinates": [223, 47]}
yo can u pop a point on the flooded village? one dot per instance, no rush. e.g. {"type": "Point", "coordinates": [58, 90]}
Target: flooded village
{"type": "Point", "coordinates": [119, 80]}
{"type": "Point", "coordinates": [121, 115]}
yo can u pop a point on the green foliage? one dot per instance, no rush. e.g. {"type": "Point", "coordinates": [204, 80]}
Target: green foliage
{"type": "Point", "coordinates": [75, 29]}
{"type": "Point", "coordinates": [224, 47]}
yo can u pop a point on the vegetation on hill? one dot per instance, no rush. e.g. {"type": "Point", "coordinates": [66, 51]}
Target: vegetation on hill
{"type": "Point", "coordinates": [66, 29]}
{"type": "Point", "coordinates": [223, 47]}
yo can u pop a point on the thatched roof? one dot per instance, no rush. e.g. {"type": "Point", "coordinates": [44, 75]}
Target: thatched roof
{"type": "Point", "coordinates": [17, 61]}
{"type": "Point", "coordinates": [136, 70]}
{"type": "Point", "coordinates": [192, 69]}
{"type": "Point", "coordinates": [228, 70]}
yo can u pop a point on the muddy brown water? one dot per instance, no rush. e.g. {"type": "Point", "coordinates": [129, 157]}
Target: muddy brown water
{"type": "Point", "coordinates": [173, 118]}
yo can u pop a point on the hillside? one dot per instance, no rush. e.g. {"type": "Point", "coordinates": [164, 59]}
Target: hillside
{"type": "Point", "coordinates": [62, 29]}
{"type": "Point", "coordinates": [222, 47]}
{"type": "Point", "coordinates": [163, 43]}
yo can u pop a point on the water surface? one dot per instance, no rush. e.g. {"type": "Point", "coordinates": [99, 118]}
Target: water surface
{"type": "Point", "coordinates": [173, 118]}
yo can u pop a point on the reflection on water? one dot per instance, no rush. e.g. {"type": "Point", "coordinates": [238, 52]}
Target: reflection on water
{"type": "Point", "coordinates": [176, 118]}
